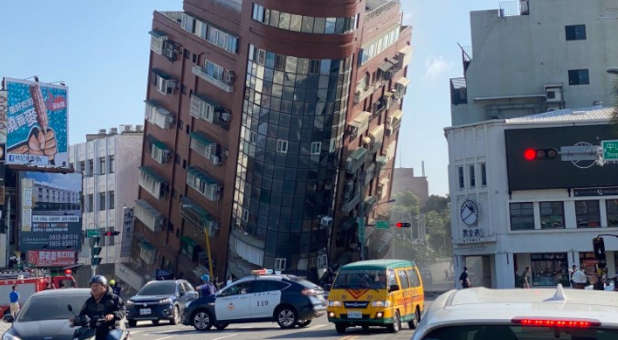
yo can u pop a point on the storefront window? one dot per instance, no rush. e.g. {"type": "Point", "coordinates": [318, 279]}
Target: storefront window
{"type": "Point", "coordinates": [612, 213]}
{"type": "Point", "coordinates": [588, 214]}
{"type": "Point", "coordinates": [552, 215]}
{"type": "Point", "coordinates": [522, 216]}
{"type": "Point", "coordinates": [588, 263]}
{"type": "Point", "coordinates": [549, 269]}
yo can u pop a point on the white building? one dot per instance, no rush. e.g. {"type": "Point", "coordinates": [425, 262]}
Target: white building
{"type": "Point", "coordinates": [509, 213]}
{"type": "Point", "coordinates": [109, 163]}
{"type": "Point", "coordinates": [536, 57]}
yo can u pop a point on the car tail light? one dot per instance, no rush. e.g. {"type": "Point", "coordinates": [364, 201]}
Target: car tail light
{"type": "Point", "coordinates": [310, 291]}
{"type": "Point", "coordinates": [556, 323]}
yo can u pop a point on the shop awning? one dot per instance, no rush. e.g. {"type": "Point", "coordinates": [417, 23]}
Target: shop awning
{"type": "Point", "coordinates": [361, 122]}
{"type": "Point", "coordinates": [152, 173]}
{"type": "Point", "coordinates": [146, 245]}
{"type": "Point", "coordinates": [201, 138]}
{"type": "Point", "coordinates": [201, 175]}
{"type": "Point", "coordinates": [387, 66]}
{"type": "Point", "coordinates": [197, 215]}
{"type": "Point", "coordinates": [188, 245]}
{"type": "Point", "coordinates": [157, 143]}
{"type": "Point", "coordinates": [398, 114]}
{"type": "Point", "coordinates": [377, 134]}
{"type": "Point", "coordinates": [403, 81]}
{"type": "Point", "coordinates": [161, 74]}
{"type": "Point", "coordinates": [157, 34]}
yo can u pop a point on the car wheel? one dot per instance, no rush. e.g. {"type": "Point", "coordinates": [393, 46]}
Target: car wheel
{"type": "Point", "coordinates": [303, 324]}
{"type": "Point", "coordinates": [396, 326]}
{"type": "Point", "coordinates": [414, 322]}
{"type": "Point", "coordinates": [340, 327]}
{"type": "Point", "coordinates": [286, 317]}
{"type": "Point", "coordinates": [175, 316]}
{"type": "Point", "coordinates": [155, 322]}
{"type": "Point", "coordinates": [201, 320]}
{"type": "Point", "coordinates": [221, 325]}
{"type": "Point", "coordinates": [132, 323]}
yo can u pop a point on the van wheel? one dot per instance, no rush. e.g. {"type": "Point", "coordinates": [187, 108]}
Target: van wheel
{"type": "Point", "coordinates": [340, 327]}
{"type": "Point", "coordinates": [396, 326]}
{"type": "Point", "coordinates": [417, 318]}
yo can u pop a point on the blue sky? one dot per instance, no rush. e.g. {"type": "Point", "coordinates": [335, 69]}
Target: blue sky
{"type": "Point", "coordinates": [100, 49]}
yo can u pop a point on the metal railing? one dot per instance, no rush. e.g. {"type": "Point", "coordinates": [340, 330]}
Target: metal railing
{"type": "Point", "coordinates": [512, 8]}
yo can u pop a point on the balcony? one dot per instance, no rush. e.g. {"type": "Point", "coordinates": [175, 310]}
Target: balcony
{"type": "Point", "coordinates": [401, 86]}
{"type": "Point", "coordinates": [164, 83]}
{"type": "Point", "coordinates": [197, 215]}
{"type": "Point", "coordinates": [380, 106]}
{"type": "Point", "coordinates": [147, 252]}
{"type": "Point", "coordinates": [390, 151]}
{"type": "Point", "coordinates": [369, 174]}
{"type": "Point", "coordinates": [459, 91]}
{"type": "Point", "coordinates": [204, 184]}
{"type": "Point", "coordinates": [360, 124]}
{"type": "Point", "coordinates": [388, 69]}
{"type": "Point", "coordinates": [393, 122]}
{"type": "Point", "coordinates": [205, 147]}
{"type": "Point", "coordinates": [152, 182]}
{"type": "Point", "coordinates": [355, 160]}
{"type": "Point", "coordinates": [159, 151]}
{"type": "Point", "coordinates": [352, 203]}
{"type": "Point", "coordinates": [205, 109]}
{"type": "Point", "coordinates": [362, 93]}
{"type": "Point", "coordinates": [405, 56]}
{"type": "Point", "coordinates": [157, 40]}
{"type": "Point", "coordinates": [202, 73]}
{"type": "Point", "coordinates": [157, 115]}
{"type": "Point", "coordinates": [377, 138]}
{"type": "Point", "coordinates": [149, 216]}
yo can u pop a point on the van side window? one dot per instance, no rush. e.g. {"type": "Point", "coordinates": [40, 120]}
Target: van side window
{"type": "Point", "coordinates": [403, 278]}
{"type": "Point", "coordinates": [392, 280]}
{"type": "Point", "coordinates": [414, 280]}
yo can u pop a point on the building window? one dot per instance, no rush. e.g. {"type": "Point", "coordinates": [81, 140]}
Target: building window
{"type": "Point", "coordinates": [101, 165]}
{"type": "Point", "coordinates": [90, 203]}
{"type": "Point", "coordinates": [588, 214]}
{"type": "Point", "coordinates": [110, 164]}
{"type": "Point", "coordinates": [461, 177]}
{"type": "Point", "coordinates": [483, 174]}
{"type": "Point", "coordinates": [579, 77]}
{"type": "Point", "coordinates": [90, 169]}
{"type": "Point", "coordinates": [111, 199]}
{"type": "Point", "coordinates": [472, 177]}
{"type": "Point", "coordinates": [316, 147]}
{"type": "Point", "coordinates": [612, 213]}
{"type": "Point", "coordinates": [552, 215]}
{"type": "Point", "coordinates": [549, 269]}
{"type": "Point", "coordinates": [522, 216]}
{"type": "Point", "coordinates": [282, 146]}
{"type": "Point", "coordinates": [280, 264]}
{"type": "Point", "coordinates": [575, 32]}
{"type": "Point", "coordinates": [82, 167]}
{"type": "Point", "coordinates": [101, 201]}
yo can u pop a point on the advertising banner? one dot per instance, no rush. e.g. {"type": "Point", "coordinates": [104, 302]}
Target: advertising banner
{"type": "Point", "coordinates": [37, 121]}
{"type": "Point", "coordinates": [50, 211]}
{"type": "Point", "coordinates": [4, 108]}
{"type": "Point", "coordinates": [51, 258]}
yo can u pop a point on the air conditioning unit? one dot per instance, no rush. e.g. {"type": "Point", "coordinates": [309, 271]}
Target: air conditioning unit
{"type": "Point", "coordinates": [553, 94]}
{"type": "Point", "coordinates": [326, 221]}
{"type": "Point", "coordinates": [216, 160]}
{"type": "Point", "coordinates": [226, 116]}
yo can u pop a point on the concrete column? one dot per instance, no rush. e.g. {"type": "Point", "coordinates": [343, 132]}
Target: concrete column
{"type": "Point", "coordinates": [504, 269]}
{"type": "Point", "coordinates": [603, 212]}
{"type": "Point", "coordinates": [537, 215]}
{"type": "Point", "coordinates": [611, 264]}
{"type": "Point", "coordinates": [570, 220]}
{"type": "Point", "coordinates": [458, 265]}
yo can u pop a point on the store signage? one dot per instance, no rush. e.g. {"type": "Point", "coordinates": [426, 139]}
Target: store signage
{"type": "Point", "coordinates": [469, 212]}
{"type": "Point", "coordinates": [51, 258]}
{"type": "Point", "coordinates": [607, 191]}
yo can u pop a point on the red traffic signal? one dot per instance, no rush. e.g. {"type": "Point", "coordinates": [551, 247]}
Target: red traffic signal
{"type": "Point", "coordinates": [531, 154]}
{"type": "Point", "coordinates": [112, 233]}
{"type": "Point", "coordinates": [403, 225]}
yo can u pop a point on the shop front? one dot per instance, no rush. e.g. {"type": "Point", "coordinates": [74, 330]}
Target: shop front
{"type": "Point", "coordinates": [546, 269]}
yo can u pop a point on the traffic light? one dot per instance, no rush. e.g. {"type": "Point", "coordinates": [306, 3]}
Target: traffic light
{"type": "Point", "coordinates": [599, 251]}
{"type": "Point", "coordinates": [403, 225]}
{"type": "Point", "coordinates": [532, 154]}
{"type": "Point", "coordinates": [95, 251]}
{"type": "Point", "coordinates": [112, 233]}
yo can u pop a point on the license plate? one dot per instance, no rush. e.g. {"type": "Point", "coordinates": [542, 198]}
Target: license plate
{"type": "Point", "coordinates": [145, 311]}
{"type": "Point", "coordinates": [355, 315]}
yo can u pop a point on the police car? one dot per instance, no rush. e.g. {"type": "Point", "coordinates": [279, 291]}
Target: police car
{"type": "Point", "coordinates": [286, 299]}
{"type": "Point", "coordinates": [486, 314]}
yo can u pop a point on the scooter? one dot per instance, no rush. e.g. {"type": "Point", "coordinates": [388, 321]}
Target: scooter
{"type": "Point", "coordinates": [87, 329]}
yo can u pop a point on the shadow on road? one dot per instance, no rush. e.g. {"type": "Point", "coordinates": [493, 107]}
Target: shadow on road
{"type": "Point", "coordinates": [332, 333]}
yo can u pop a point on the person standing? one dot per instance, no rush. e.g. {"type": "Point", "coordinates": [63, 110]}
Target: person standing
{"type": "Point", "coordinates": [464, 279]}
{"type": "Point", "coordinates": [14, 302]}
{"type": "Point", "coordinates": [527, 278]}
{"type": "Point", "coordinates": [579, 279]}
{"type": "Point", "coordinates": [207, 288]}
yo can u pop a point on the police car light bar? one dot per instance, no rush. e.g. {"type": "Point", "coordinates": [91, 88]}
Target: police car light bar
{"type": "Point", "coordinates": [262, 272]}
{"type": "Point", "coordinates": [556, 323]}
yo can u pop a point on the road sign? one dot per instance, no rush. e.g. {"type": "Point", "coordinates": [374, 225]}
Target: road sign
{"type": "Point", "coordinates": [92, 233]}
{"type": "Point", "coordinates": [610, 150]}
{"type": "Point", "coordinates": [382, 225]}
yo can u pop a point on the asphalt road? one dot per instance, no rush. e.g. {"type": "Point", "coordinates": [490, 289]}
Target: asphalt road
{"type": "Point", "coordinates": [319, 329]}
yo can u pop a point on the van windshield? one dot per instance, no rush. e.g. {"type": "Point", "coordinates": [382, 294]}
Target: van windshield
{"type": "Point", "coordinates": [361, 279]}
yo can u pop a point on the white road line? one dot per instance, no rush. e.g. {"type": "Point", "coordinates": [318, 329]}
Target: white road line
{"type": "Point", "coordinates": [317, 326]}
{"type": "Point", "coordinates": [165, 337]}
{"type": "Point", "coordinates": [222, 337]}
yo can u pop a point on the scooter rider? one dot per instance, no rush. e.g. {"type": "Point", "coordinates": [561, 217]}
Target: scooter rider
{"type": "Point", "coordinates": [103, 304]}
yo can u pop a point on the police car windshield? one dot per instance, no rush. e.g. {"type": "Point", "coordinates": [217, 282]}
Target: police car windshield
{"type": "Point", "coordinates": [39, 308]}
{"type": "Point", "coordinates": [158, 288]}
{"type": "Point", "coordinates": [508, 332]}
{"type": "Point", "coordinates": [365, 279]}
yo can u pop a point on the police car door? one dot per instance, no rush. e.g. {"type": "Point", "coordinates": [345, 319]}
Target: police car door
{"type": "Point", "coordinates": [233, 302]}
{"type": "Point", "coordinates": [266, 298]}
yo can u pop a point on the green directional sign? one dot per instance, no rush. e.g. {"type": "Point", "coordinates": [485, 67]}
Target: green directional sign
{"type": "Point", "coordinates": [92, 233]}
{"type": "Point", "coordinates": [610, 150]}
{"type": "Point", "coordinates": [382, 224]}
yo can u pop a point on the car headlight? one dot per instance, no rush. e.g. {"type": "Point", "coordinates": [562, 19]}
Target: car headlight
{"type": "Point", "coordinates": [166, 301]}
{"type": "Point", "coordinates": [380, 304]}
{"type": "Point", "coordinates": [335, 304]}
{"type": "Point", "coordinates": [9, 336]}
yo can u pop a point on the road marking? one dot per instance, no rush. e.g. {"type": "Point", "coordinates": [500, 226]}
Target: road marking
{"type": "Point", "coordinates": [222, 337]}
{"type": "Point", "coordinates": [165, 337]}
{"type": "Point", "coordinates": [318, 326]}
{"type": "Point", "coordinates": [349, 337]}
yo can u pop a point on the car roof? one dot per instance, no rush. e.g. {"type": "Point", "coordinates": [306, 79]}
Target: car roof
{"type": "Point", "coordinates": [492, 306]}
{"type": "Point", "coordinates": [63, 292]}
{"type": "Point", "coordinates": [378, 265]}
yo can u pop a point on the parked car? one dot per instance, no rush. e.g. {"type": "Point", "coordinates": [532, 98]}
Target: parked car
{"type": "Point", "coordinates": [160, 300]}
{"type": "Point", "coordinates": [286, 299]}
{"type": "Point", "coordinates": [45, 315]}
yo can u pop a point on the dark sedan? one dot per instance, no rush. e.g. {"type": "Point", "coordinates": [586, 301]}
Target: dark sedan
{"type": "Point", "coordinates": [160, 300]}
{"type": "Point", "coordinates": [45, 315]}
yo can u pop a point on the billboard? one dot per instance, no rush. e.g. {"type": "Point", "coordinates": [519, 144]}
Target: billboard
{"type": "Point", "coordinates": [4, 105]}
{"type": "Point", "coordinates": [555, 173]}
{"type": "Point", "coordinates": [37, 121]}
{"type": "Point", "coordinates": [51, 258]}
{"type": "Point", "coordinates": [50, 211]}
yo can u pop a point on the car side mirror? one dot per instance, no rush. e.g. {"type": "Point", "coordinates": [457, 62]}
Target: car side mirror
{"type": "Point", "coordinates": [393, 288]}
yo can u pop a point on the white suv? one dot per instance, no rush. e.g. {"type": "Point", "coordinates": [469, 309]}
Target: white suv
{"type": "Point", "coordinates": [521, 314]}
